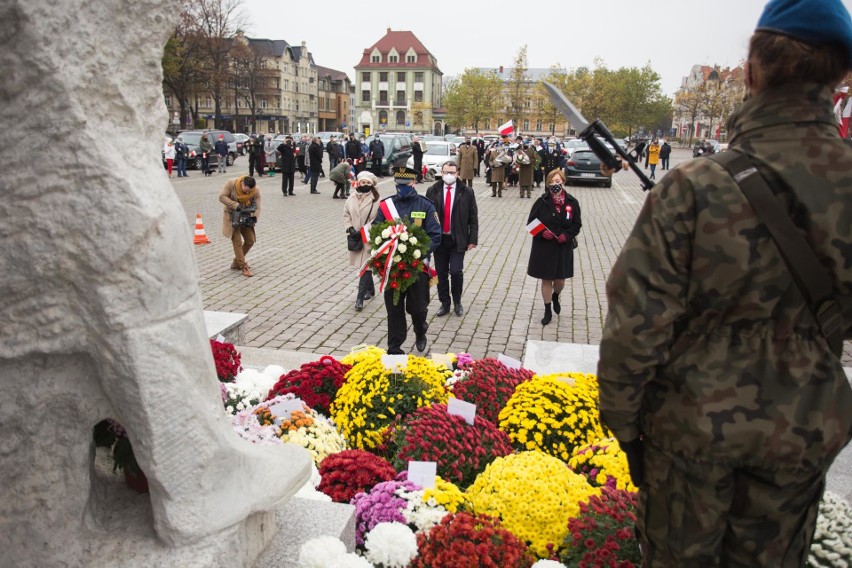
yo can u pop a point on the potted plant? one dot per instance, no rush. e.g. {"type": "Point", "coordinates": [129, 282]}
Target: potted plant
{"type": "Point", "coordinates": [110, 434]}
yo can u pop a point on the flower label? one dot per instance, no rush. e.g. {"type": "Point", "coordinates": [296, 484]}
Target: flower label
{"type": "Point", "coordinates": [422, 473]}
{"type": "Point", "coordinates": [282, 410]}
{"type": "Point", "coordinates": [220, 338]}
{"type": "Point", "coordinates": [461, 408]}
{"type": "Point", "coordinates": [509, 362]}
{"type": "Point", "coordinates": [395, 362]}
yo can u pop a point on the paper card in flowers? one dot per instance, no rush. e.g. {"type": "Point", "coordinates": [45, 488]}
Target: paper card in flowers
{"type": "Point", "coordinates": [227, 360]}
{"type": "Point", "coordinates": [350, 472]}
{"type": "Point", "coordinates": [464, 540]}
{"type": "Point", "coordinates": [460, 450]}
{"type": "Point", "coordinates": [602, 534]}
{"type": "Point", "coordinates": [316, 382]}
{"type": "Point", "coordinates": [399, 249]}
{"type": "Point", "coordinates": [534, 494]}
{"type": "Point", "coordinates": [554, 413]}
{"type": "Point", "coordinates": [490, 384]}
{"type": "Point", "coordinates": [372, 398]}
{"type": "Point", "coordinates": [604, 464]}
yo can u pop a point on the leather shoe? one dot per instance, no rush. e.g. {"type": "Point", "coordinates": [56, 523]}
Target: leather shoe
{"type": "Point", "coordinates": [459, 310]}
{"type": "Point", "coordinates": [359, 304]}
{"type": "Point", "coordinates": [420, 344]}
{"type": "Point", "coordinates": [368, 295]}
{"type": "Point", "coordinates": [247, 271]}
{"type": "Point", "coordinates": [442, 311]}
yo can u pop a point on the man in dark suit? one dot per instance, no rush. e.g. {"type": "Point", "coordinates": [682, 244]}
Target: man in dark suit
{"type": "Point", "coordinates": [455, 204]}
{"type": "Point", "coordinates": [287, 157]}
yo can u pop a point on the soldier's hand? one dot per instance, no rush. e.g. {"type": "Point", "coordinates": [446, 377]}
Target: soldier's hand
{"type": "Point", "coordinates": [635, 460]}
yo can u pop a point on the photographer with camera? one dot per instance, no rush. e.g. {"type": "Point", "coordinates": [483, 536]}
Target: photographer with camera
{"type": "Point", "coordinates": [241, 198]}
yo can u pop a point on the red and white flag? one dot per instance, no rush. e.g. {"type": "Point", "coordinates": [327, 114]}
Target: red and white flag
{"type": "Point", "coordinates": [844, 121]}
{"type": "Point", "coordinates": [535, 226]}
{"type": "Point", "coordinates": [838, 104]}
{"type": "Point", "coordinates": [389, 209]}
{"type": "Point", "coordinates": [365, 234]}
{"type": "Point", "coordinates": [507, 129]}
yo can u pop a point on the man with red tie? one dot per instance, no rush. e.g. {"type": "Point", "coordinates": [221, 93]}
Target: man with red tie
{"type": "Point", "coordinates": [455, 204]}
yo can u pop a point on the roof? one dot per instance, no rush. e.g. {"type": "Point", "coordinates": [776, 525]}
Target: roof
{"type": "Point", "coordinates": [332, 74]}
{"type": "Point", "coordinates": [402, 41]}
{"type": "Point", "coordinates": [268, 47]}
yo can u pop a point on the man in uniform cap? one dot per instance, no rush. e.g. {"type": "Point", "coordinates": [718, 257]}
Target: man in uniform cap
{"type": "Point", "coordinates": [415, 209]}
{"type": "Point", "coordinates": [723, 388]}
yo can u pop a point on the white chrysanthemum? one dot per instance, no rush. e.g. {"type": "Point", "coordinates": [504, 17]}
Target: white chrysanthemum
{"type": "Point", "coordinates": [351, 560]}
{"type": "Point", "coordinates": [392, 545]}
{"type": "Point", "coordinates": [832, 542]}
{"type": "Point", "coordinates": [412, 240]}
{"type": "Point", "coordinates": [402, 248]}
{"type": "Point", "coordinates": [321, 552]}
{"type": "Point", "coordinates": [548, 564]}
{"type": "Point", "coordinates": [396, 258]}
{"type": "Point", "coordinates": [386, 234]}
{"type": "Point", "coordinates": [417, 253]}
{"type": "Point", "coordinates": [378, 240]}
{"type": "Point", "coordinates": [403, 237]}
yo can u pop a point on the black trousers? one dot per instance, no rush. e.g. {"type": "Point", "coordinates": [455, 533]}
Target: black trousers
{"type": "Point", "coordinates": [254, 163]}
{"type": "Point", "coordinates": [376, 167]}
{"type": "Point", "coordinates": [418, 167]}
{"type": "Point", "coordinates": [287, 182]}
{"type": "Point", "coordinates": [415, 301]}
{"type": "Point", "coordinates": [449, 264]}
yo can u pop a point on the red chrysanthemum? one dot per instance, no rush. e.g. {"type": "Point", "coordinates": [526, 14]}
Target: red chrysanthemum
{"type": "Point", "coordinates": [602, 535]}
{"type": "Point", "coordinates": [349, 472]}
{"type": "Point", "coordinates": [227, 360]}
{"type": "Point", "coordinates": [316, 383]}
{"type": "Point", "coordinates": [489, 385]}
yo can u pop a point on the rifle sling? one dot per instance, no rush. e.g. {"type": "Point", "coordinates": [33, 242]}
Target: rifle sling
{"type": "Point", "coordinates": [810, 276]}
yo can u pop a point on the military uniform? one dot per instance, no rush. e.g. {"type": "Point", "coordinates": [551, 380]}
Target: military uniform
{"type": "Point", "coordinates": [415, 300]}
{"type": "Point", "coordinates": [711, 354]}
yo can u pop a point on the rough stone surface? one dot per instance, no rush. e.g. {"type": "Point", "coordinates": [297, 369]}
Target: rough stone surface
{"type": "Point", "coordinates": [101, 313]}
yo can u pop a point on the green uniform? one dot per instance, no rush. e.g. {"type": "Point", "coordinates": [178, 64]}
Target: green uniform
{"type": "Point", "coordinates": [710, 352]}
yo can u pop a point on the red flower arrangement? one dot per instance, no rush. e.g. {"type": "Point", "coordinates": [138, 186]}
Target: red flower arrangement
{"type": "Point", "coordinates": [227, 360]}
{"type": "Point", "coordinates": [316, 383]}
{"type": "Point", "coordinates": [490, 385]}
{"type": "Point", "coordinates": [461, 450]}
{"type": "Point", "coordinates": [602, 535]}
{"type": "Point", "coordinates": [352, 471]}
{"type": "Point", "coordinates": [463, 540]}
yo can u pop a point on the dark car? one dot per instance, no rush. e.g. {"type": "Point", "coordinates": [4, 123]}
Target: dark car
{"type": "Point", "coordinates": [584, 166]}
{"type": "Point", "coordinates": [706, 147]}
{"type": "Point", "coordinates": [192, 138]}
{"type": "Point", "coordinates": [397, 149]}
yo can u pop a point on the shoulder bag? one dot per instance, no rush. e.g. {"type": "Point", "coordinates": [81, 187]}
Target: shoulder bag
{"type": "Point", "coordinates": [354, 242]}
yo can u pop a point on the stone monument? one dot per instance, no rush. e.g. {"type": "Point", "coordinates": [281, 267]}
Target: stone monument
{"type": "Point", "coordinates": [101, 313]}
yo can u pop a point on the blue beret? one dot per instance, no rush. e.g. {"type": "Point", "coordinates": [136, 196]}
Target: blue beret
{"type": "Point", "coordinates": [819, 22]}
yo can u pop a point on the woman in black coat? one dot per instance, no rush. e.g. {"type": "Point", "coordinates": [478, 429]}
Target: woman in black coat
{"type": "Point", "coordinates": [315, 162]}
{"type": "Point", "coordinates": [552, 254]}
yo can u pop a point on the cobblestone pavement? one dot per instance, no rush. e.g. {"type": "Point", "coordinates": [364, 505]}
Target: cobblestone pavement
{"type": "Point", "coordinates": [301, 297]}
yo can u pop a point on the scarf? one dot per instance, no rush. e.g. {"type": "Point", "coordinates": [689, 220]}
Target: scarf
{"type": "Point", "coordinates": [244, 197]}
{"type": "Point", "coordinates": [558, 199]}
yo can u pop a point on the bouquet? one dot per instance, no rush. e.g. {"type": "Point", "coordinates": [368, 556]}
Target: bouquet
{"type": "Point", "coordinates": [490, 384]}
{"type": "Point", "coordinates": [534, 494]}
{"type": "Point", "coordinates": [308, 429]}
{"type": "Point", "coordinates": [227, 360]}
{"type": "Point", "coordinates": [350, 472]}
{"type": "Point", "coordinates": [554, 413]}
{"type": "Point", "coordinates": [372, 397]}
{"type": "Point", "coordinates": [464, 540]}
{"type": "Point", "coordinates": [602, 534]}
{"type": "Point", "coordinates": [384, 503]}
{"type": "Point", "coordinates": [461, 451]}
{"type": "Point", "coordinates": [604, 464]}
{"type": "Point", "coordinates": [399, 248]}
{"type": "Point", "coordinates": [316, 383]}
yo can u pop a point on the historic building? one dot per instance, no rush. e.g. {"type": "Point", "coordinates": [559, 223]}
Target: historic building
{"type": "Point", "coordinates": [397, 86]}
{"type": "Point", "coordinates": [705, 100]}
{"type": "Point", "coordinates": [333, 89]}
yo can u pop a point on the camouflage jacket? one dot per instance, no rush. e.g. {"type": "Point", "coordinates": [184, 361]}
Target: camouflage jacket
{"type": "Point", "coordinates": [709, 349]}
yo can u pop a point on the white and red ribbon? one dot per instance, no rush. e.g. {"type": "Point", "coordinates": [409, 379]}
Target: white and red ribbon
{"type": "Point", "coordinates": [389, 210]}
{"type": "Point", "coordinates": [389, 247]}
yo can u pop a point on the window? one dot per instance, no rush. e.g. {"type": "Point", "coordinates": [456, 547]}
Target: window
{"type": "Point", "coordinates": [376, 59]}
{"type": "Point", "coordinates": [383, 97]}
{"type": "Point", "coordinates": [286, 84]}
{"type": "Point", "coordinates": [168, 102]}
{"type": "Point", "coordinates": [327, 104]}
{"type": "Point", "coordinates": [538, 125]}
{"type": "Point", "coordinates": [400, 121]}
{"type": "Point", "coordinates": [207, 102]}
{"type": "Point", "coordinates": [551, 127]}
{"type": "Point", "coordinates": [393, 59]}
{"type": "Point", "coordinates": [383, 77]}
{"type": "Point", "coordinates": [526, 125]}
{"type": "Point", "coordinates": [383, 117]}
{"type": "Point", "coordinates": [321, 99]}
{"type": "Point", "coordinates": [411, 59]}
{"type": "Point", "coordinates": [365, 96]}
{"type": "Point", "coordinates": [418, 96]}
{"type": "Point", "coordinates": [418, 76]}
{"type": "Point", "coordinates": [400, 77]}
{"type": "Point", "coordinates": [487, 125]}
{"type": "Point", "coordinates": [263, 102]}
{"type": "Point", "coordinates": [418, 117]}
{"type": "Point", "coordinates": [400, 97]}
{"type": "Point", "coordinates": [365, 77]}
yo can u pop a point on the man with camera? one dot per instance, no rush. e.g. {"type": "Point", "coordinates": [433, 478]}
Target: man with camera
{"type": "Point", "coordinates": [241, 198]}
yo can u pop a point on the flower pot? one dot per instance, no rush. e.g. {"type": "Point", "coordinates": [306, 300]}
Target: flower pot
{"type": "Point", "coordinates": [136, 481]}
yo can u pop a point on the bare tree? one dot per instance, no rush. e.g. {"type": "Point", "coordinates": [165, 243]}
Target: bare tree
{"type": "Point", "coordinates": [182, 67]}
{"type": "Point", "coordinates": [517, 88]}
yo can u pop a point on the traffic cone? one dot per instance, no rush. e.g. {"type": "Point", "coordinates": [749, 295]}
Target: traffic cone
{"type": "Point", "coordinates": [200, 235]}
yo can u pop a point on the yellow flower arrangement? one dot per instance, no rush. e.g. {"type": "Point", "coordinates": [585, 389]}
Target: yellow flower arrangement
{"type": "Point", "coordinates": [446, 495]}
{"type": "Point", "coordinates": [534, 495]}
{"type": "Point", "coordinates": [603, 463]}
{"type": "Point", "coordinates": [553, 413]}
{"type": "Point", "coordinates": [361, 353]}
{"type": "Point", "coordinates": [372, 396]}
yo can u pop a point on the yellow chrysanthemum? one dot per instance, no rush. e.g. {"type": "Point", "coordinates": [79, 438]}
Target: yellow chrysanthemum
{"type": "Point", "coordinates": [317, 435]}
{"type": "Point", "coordinates": [602, 460]}
{"type": "Point", "coordinates": [447, 495]}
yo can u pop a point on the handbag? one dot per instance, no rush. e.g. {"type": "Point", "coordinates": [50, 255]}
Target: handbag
{"type": "Point", "coordinates": [353, 240]}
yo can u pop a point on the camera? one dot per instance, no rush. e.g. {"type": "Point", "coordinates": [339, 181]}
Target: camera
{"type": "Point", "coordinates": [244, 216]}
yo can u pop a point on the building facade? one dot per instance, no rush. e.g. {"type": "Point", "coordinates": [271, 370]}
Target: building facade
{"type": "Point", "coordinates": [706, 98]}
{"type": "Point", "coordinates": [333, 92]}
{"type": "Point", "coordinates": [397, 86]}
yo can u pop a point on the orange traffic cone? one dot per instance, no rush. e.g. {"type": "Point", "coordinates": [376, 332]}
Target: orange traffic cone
{"type": "Point", "coordinates": [200, 235]}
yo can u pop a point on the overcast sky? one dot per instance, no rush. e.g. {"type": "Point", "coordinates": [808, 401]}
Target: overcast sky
{"type": "Point", "coordinates": [673, 35]}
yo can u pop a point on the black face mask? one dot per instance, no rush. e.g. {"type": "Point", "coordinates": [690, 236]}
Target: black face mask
{"type": "Point", "coordinates": [555, 187]}
{"type": "Point", "coordinates": [363, 189]}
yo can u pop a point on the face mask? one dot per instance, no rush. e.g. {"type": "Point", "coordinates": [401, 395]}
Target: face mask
{"type": "Point", "coordinates": [364, 189]}
{"type": "Point", "coordinates": [552, 146]}
{"type": "Point", "coordinates": [555, 187]}
{"type": "Point", "coordinates": [404, 190]}
{"type": "Point", "coordinates": [449, 179]}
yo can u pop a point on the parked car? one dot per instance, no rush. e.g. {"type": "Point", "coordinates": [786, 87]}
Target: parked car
{"type": "Point", "coordinates": [397, 148]}
{"type": "Point", "coordinates": [326, 136]}
{"type": "Point", "coordinates": [584, 166]}
{"type": "Point", "coordinates": [569, 146]}
{"type": "Point", "coordinates": [700, 147]}
{"type": "Point", "coordinates": [432, 138]}
{"type": "Point", "coordinates": [241, 142]}
{"type": "Point", "coordinates": [437, 153]}
{"type": "Point", "coordinates": [192, 138]}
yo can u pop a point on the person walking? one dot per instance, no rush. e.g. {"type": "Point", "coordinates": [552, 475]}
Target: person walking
{"type": "Point", "coordinates": [552, 252]}
{"type": "Point", "coordinates": [221, 148]}
{"type": "Point", "coordinates": [415, 208]}
{"type": "Point", "coordinates": [467, 157]}
{"type": "Point", "coordinates": [181, 155]}
{"type": "Point", "coordinates": [654, 157]}
{"type": "Point", "coordinates": [169, 154]}
{"type": "Point", "coordinates": [340, 177]}
{"type": "Point", "coordinates": [287, 156]}
{"type": "Point", "coordinates": [353, 152]}
{"type": "Point", "coordinates": [237, 194]}
{"type": "Point", "coordinates": [377, 154]}
{"type": "Point", "coordinates": [314, 163]}
{"type": "Point", "coordinates": [360, 210]}
{"type": "Point", "coordinates": [206, 148]}
{"type": "Point", "coordinates": [498, 157]}
{"type": "Point", "coordinates": [254, 151]}
{"type": "Point", "coordinates": [417, 150]}
{"type": "Point", "coordinates": [665, 152]}
{"type": "Point", "coordinates": [719, 374]}
{"type": "Point", "coordinates": [455, 204]}
{"type": "Point", "coordinates": [261, 155]}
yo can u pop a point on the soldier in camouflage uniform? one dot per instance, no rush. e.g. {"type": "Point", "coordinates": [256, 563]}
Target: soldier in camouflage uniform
{"type": "Point", "coordinates": [714, 375]}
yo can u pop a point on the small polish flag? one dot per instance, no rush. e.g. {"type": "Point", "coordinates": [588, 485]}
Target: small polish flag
{"type": "Point", "coordinates": [535, 227]}
{"type": "Point", "coordinates": [365, 234]}
{"type": "Point", "coordinates": [389, 209]}
{"type": "Point", "coordinates": [506, 129]}
{"type": "Point", "coordinates": [844, 121]}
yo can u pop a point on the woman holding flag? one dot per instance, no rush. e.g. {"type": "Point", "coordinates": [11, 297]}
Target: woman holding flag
{"type": "Point", "coordinates": [554, 222]}
{"type": "Point", "coordinates": [358, 213]}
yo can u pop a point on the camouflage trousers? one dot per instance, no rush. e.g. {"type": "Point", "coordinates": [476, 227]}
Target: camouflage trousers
{"type": "Point", "coordinates": [706, 514]}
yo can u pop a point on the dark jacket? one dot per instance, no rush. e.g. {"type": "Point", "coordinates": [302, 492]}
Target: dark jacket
{"type": "Point", "coordinates": [288, 158]}
{"type": "Point", "coordinates": [464, 223]}
{"type": "Point", "coordinates": [181, 151]}
{"type": "Point", "coordinates": [551, 160]}
{"type": "Point", "coordinates": [665, 150]}
{"type": "Point", "coordinates": [550, 260]}
{"type": "Point", "coordinates": [417, 153]}
{"type": "Point", "coordinates": [315, 156]}
{"type": "Point", "coordinates": [377, 150]}
{"type": "Point", "coordinates": [415, 202]}
{"type": "Point", "coordinates": [331, 149]}
{"type": "Point", "coordinates": [353, 150]}
{"type": "Point", "coordinates": [221, 148]}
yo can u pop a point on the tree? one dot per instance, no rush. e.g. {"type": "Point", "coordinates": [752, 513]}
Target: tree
{"type": "Point", "coordinates": [638, 100]}
{"type": "Point", "coordinates": [473, 98]}
{"type": "Point", "coordinates": [517, 87]}
{"type": "Point", "coordinates": [251, 80]}
{"type": "Point", "coordinates": [542, 103]}
{"type": "Point", "coordinates": [182, 67]}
